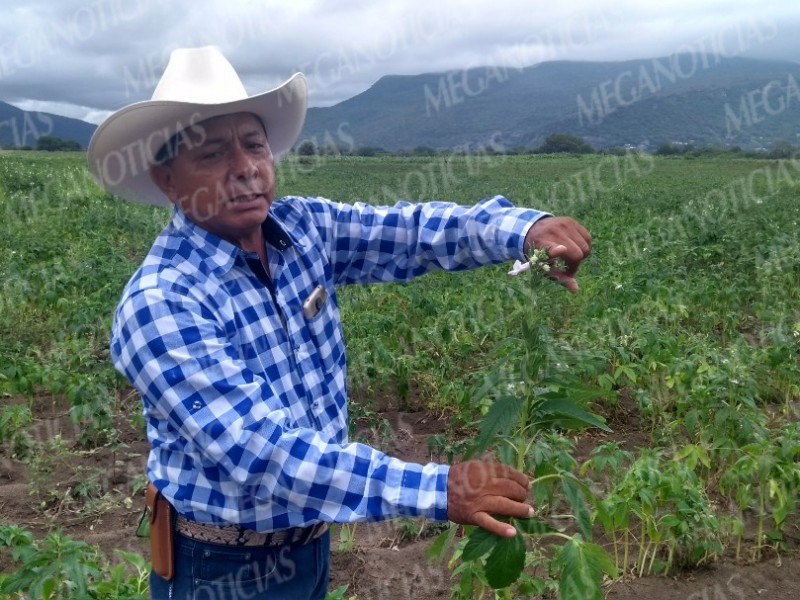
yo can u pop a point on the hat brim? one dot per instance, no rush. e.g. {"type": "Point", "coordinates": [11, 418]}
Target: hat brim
{"type": "Point", "coordinates": [124, 146]}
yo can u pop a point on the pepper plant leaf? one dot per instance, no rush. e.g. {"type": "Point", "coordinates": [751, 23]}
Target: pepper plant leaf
{"type": "Point", "coordinates": [565, 411]}
{"type": "Point", "coordinates": [502, 416]}
{"type": "Point", "coordinates": [506, 561]}
{"type": "Point", "coordinates": [533, 526]}
{"type": "Point", "coordinates": [480, 542]}
{"type": "Point", "coordinates": [572, 491]}
{"type": "Point", "coordinates": [436, 550]}
{"type": "Point", "coordinates": [582, 565]}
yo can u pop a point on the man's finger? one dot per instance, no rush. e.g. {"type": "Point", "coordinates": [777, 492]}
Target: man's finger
{"type": "Point", "coordinates": [572, 252]}
{"type": "Point", "coordinates": [510, 489]}
{"type": "Point", "coordinates": [492, 525]}
{"type": "Point", "coordinates": [568, 282]}
{"type": "Point", "coordinates": [510, 473]}
{"type": "Point", "coordinates": [505, 507]}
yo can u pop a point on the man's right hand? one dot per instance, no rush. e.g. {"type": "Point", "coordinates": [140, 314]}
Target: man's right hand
{"type": "Point", "coordinates": [478, 489]}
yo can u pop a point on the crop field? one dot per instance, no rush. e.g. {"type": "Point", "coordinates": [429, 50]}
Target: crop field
{"type": "Point", "coordinates": [657, 412]}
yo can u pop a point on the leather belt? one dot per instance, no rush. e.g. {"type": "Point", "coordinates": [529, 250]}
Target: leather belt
{"type": "Point", "coordinates": [233, 535]}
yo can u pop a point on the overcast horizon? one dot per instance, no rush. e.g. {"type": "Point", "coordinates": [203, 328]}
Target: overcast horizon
{"type": "Point", "coordinates": [86, 59]}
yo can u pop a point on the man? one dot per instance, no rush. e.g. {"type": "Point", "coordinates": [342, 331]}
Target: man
{"type": "Point", "coordinates": [230, 331]}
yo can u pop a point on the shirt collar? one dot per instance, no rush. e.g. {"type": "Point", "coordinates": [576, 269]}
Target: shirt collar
{"type": "Point", "coordinates": [222, 253]}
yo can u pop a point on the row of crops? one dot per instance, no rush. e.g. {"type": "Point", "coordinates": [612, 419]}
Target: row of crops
{"type": "Point", "coordinates": [679, 360]}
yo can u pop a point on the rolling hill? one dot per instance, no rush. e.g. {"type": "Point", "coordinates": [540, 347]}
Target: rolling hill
{"type": "Point", "coordinates": [704, 100]}
{"type": "Point", "coordinates": [23, 128]}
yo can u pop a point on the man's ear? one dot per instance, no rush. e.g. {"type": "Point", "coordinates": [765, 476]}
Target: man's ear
{"type": "Point", "coordinates": [162, 177]}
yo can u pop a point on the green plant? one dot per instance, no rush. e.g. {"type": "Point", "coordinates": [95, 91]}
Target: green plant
{"type": "Point", "coordinates": [339, 593]}
{"type": "Point", "coordinates": [127, 580]}
{"type": "Point", "coordinates": [766, 479]}
{"type": "Point", "coordinates": [531, 401]}
{"type": "Point", "coordinates": [662, 505]}
{"type": "Point", "coordinates": [692, 285]}
{"type": "Point", "coordinates": [13, 421]}
{"type": "Point", "coordinates": [60, 568]}
{"type": "Point", "coordinates": [53, 569]}
{"type": "Point", "coordinates": [347, 537]}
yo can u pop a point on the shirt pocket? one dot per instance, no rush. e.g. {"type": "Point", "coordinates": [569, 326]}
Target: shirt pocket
{"type": "Point", "coordinates": [325, 332]}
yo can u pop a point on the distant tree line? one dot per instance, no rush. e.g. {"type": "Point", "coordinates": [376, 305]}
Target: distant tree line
{"type": "Point", "coordinates": [50, 143]}
{"type": "Point", "coordinates": [557, 143]}
{"type": "Point", "coordinates": [780, 149]}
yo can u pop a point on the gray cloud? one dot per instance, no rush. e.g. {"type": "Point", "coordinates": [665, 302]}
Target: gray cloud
{"type": "Point", "coordinates": [85, 58]}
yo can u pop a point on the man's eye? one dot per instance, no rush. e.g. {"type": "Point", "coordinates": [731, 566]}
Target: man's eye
{"type": "Point", "coordinates": [211, 155]}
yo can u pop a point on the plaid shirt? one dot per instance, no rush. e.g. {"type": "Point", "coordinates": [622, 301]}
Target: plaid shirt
{"type": "Point", "coordinates": [244, 397]}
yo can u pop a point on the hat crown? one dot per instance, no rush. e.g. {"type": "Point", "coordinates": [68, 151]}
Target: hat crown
{"type": "Point", "coordinates": [197, 84]}
{"type": "Point", "coordinates": [201, 76]}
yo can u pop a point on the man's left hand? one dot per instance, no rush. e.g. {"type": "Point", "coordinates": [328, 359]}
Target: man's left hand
{"type": "Point", "coordinates": [563, 238]}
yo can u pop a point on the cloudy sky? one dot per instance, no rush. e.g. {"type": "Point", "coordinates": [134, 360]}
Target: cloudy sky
{"type": "Point", "coordinates": [87, 58]}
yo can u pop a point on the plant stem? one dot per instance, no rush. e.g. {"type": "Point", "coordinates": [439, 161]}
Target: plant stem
{"type": "Point", "coordinates": [644, 559]}
{"type": "Point", "coordinates": [627, 549]}
{"type": "Point", "coordinates": [760, 534]}
{"type": "Point", "coordinates": [652, 560]}
{"type": "Point", "coordinates": [670, 556]}
{"type": "Point", "coordinates": [556, 534]}
{"type": "Point", "coordinates": [544, 477]}
{"type": "Point", "coordinates": [640, 559]}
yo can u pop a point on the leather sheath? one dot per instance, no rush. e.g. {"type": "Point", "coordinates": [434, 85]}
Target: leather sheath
{"type": "Point", "coordinates": [162, 540]}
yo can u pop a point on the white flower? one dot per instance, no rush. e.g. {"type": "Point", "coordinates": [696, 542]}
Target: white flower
{"type": "Point", "coordinates": [519, 267]}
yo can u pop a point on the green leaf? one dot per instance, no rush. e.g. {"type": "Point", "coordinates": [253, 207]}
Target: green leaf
{"type": "Point", "coordinates": [436, 550]}
{"type": "Point", "coordinates": [603, 516]}
{"type": "Point", "coordinates": [506, 561]}
{"type": "Point", "coordinates": [564, 409]}
{"type": "Point", "coordinates": [533, 526]}
{"type": "Point", "coordinates": [490, 382]}
{"type": "Point", "coordinates": [479, 543]}
{"type": "Point", "coordinates": [582, 565]}
{"type": "Point", "coordinates": [691, 454]}
{"type": "Point", "coordinates": [530, 587]}
{"type": "Point", "coordinates": [606, 381]}
{"type": "Point", "coordinates": [572, 490]}
{"type": "Point", "coordinates": [501, 417]}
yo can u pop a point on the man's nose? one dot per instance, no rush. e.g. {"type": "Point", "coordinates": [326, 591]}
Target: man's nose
{"type": "Point", "coordinates": [243, 165]}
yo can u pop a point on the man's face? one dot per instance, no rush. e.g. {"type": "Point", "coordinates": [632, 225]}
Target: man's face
{"type": "Point", "coordinates": [223, 176]}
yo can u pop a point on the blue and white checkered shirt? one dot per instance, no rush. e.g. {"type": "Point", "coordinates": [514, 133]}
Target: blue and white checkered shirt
{"type": "Point", "coordinates": [244, 397]}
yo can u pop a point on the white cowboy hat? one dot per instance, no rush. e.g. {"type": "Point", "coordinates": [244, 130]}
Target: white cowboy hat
{"type": "Point", "coordinates": [197, 84]}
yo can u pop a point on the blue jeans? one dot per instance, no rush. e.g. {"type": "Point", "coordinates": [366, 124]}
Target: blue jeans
{"type": "Point", "coordinates": [213, 572]}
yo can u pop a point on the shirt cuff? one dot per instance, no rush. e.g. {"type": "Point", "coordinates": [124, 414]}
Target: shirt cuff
{"type": "Point", "coordinates": [517, 242]}
{"type": "Point", "coordinates": [423, 492]}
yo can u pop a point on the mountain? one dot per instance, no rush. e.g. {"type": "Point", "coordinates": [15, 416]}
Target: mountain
{"type": "Point", "coordinates": [691, 98]}
{"type": "Point", "coordinates": [23, 128]}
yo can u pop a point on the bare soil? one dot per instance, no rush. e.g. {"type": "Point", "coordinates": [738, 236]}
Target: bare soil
{"type": "Point", "coordinates": [387, 560]}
